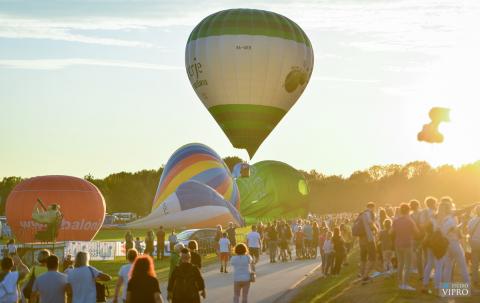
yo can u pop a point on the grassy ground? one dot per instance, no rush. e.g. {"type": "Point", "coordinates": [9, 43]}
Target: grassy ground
{"type": "Point", "coordinates": [345, 289]}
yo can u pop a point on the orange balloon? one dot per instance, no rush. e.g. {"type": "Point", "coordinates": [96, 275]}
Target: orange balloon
{"type": "Point", "coordinates": [81, 203]}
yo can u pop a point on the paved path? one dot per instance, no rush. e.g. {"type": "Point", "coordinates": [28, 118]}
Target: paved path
{"type": "Point", "coordinates": [273, 280]}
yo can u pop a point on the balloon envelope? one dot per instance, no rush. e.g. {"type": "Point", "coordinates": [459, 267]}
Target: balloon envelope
{"type": "Point", "coordinates": [273, 189]}
{"type": "Point", "coordinates": [81, 203]}
{"type": "Point", "coordinates": [195, 190]}
{"type": "Point", "coordinates": [248, 67]}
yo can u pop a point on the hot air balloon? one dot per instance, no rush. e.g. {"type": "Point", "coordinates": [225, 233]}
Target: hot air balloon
{"type": "Point", "coordinates": [430, 132]}
{"type": "Point", "coordinates": [195, 190]}
{"type": "Point", "coordinates": [38, 201]}
{"type": "Point", "coordinates": [273, 189]}
{"type": "Point", "coordinates": [248, 67]}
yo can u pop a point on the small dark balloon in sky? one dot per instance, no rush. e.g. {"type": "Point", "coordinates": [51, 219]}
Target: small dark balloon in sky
{"type": "Point", "coordinates": [430, 132]}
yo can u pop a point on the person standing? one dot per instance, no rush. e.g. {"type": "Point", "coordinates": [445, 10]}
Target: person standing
{"type": "Point", "coordinates": [67, 263]}
{"type": "Point", "coordinates": [128, 241]}
{"type": "Point", "coordinates": [299, 237]}
{"type": "Point", "coordinates": [417, 260]}
{"type": "Point", "coordinates": [308, 232]}
{"type": "Point", "coordinates": [404, 231]}
{"type": "Point", "coordinates": [474, 232]}
{"type": "Point", "coordinates": [272, 235]}
{"type": "Point", "coordinates": [186, 283]}
{"type": "Point", "coordinates": [243, 267]}
{"type": "Point", "coordinates": [218, 236]}
{"type": "Point", "coordinates": [224, 246]}
{"type": "Point", "coordinates": [122, 282]}
{"type": "Point", "coordinates": [427, 226]}
{"type": "Point", "coordinates": [232, 234]}
{"type": "Point", "coordinates": [329, 254]}
{"type": "Point", "coordinates": [81, 279]}
{"type": "Point", "coordinates": [195, 258]}
{"type": "Point", "coordinates": [347, 238]}
{"type": "Point", "coordinates": [455, 254]}
{"type": "Point", "coordinates": [175, 257]}
{"type": "Point", "coordinates": [339, 251]}
{"type": "Point", "coordinates": [386, 242]}
{"type": "Point", "coordinates": [160, 243]}
{"type": "Point", "coordinates": [51, 286]}
{"type": "Point", "coordinates": [10, 279]}
{"type": "Point", "coordinates": [172, 240]}
{"type": "Point", "coordinates": [149, 240]}
{"type": "Point", "coordinates": [368, 248]}
{"type": "Point", "coordinates": [143, 285]}
{"type": "Point", "coordinates": [254, 242]}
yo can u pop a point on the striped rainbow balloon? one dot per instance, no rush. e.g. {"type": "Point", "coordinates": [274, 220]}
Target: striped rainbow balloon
{"type": "Point", "coordinates": [196, 162]}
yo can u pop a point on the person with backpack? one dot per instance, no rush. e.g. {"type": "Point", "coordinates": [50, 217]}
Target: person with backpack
{"type": "Point", "coordinates": [404, 231]}
{"type": "Point", "coordinates": [123, 276]}
{"type": "Point", "coordinates": [243, 269]}
{"type": "Point", "coordinates": [455, 254]}
{"type": "Point", "coordinates": [364, 228]}
{"type": "Point", "coordinates": [81, 280]}
{"type": "Point", "coordinates": [186, 283]}
{"type": "Point", "coordinates": [473, 228]}
{"type": "Point", "coordinates": [143, 284]}
{"type": "Point", "coordinates": [51, 286]}
{"type": "Point", "coordinates": [9, 279]}
{"type": "Point", "coordinates": [427, 226]}
{"type": "Point", "coordinates": [35, 271]}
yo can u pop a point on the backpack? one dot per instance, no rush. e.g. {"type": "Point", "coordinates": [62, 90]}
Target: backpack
{"type": "Point", "coordinates": [358, 228]}
{"type": "Point", "coordinates": [27, 290]}
{"type": "Point", "coordinates": [438, 244]}
{"type": "Point", "coordinates": [100, 289]}
{"type": "Point", "coordinates": [185, 288]}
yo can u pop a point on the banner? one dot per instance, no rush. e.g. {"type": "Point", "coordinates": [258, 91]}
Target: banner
{"type": "Point", "coordinates": [99, 251]}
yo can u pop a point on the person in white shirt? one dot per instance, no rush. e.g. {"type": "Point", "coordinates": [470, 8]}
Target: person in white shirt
{"type": "Point", "coordinates": [123, 273]}
{"type": "Point", "coordinates": [455, 255]}
{"type": "Point", "coordinates": [254, 244]}
{"type": "Point", "coordinates": [243, 267]}
{"type": "Point", "coordinates": [329, 254]}
{"type": "Point", "coordinates": [81, 279]}
{"type": "Point", "coordinates": [224, 247]}
{"type": "Point", "coordinates": [9, 279]}
{"type": "Point", "coordinates": [473, 228]}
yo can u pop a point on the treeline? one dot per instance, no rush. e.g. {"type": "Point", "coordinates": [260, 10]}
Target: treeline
{"type": "Point", "coordinates": [384, 184]}
{"type": "Point", "coordinates": [393, 184]}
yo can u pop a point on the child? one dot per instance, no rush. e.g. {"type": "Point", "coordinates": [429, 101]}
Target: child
{"type": "Point", "coordinates": [329, 254]}
{"type": "Point", "coordinates": [386, 242]}
{"type": "Point", "coordinates": [299, 236]}
{"type": "Point", "coordinates": [12, 248]}
{"type": "Point", "coordinates": [224, 245]}
{"type": "Point", "coordinates": [138, 245]}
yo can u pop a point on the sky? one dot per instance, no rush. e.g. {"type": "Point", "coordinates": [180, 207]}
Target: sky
{"type": "Point", "coordinates": [97, 87]}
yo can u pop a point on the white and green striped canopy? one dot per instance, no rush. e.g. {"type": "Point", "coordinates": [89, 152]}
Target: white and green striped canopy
{"type": "Point", "coordinates": [248, 67]}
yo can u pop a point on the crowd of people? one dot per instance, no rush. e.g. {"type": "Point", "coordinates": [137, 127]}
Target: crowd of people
{"type": "Point", "coordinates": [432, 242]}
{"type": "Point", "coordinates": [410, 239]}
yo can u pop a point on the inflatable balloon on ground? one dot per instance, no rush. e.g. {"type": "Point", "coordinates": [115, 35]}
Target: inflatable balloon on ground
{"type": "Point", "coordinates": [75, 204]}
{"type": "Point", "coordinates": [195, 190]}
{"type": "Point", "coordinates": [248, 67]}
{"type": "Point", "coordinates": [274, 189]}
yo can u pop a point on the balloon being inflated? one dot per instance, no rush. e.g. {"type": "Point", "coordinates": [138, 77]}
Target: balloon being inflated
{"type": "Point", "coordinates": [248, 67]}
{"type": "Point", "coordinates": [196, 190]}
{"type": "Point", "coordinates": [81, 204]}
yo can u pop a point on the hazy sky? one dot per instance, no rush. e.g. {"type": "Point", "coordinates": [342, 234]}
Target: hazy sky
{"type": "Point", "coordinates": [100, 86]}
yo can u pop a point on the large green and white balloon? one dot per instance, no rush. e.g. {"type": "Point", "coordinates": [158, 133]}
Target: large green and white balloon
{"type": "Point", "coordinates": [248, 67]}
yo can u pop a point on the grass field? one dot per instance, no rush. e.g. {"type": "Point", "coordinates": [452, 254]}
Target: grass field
{"type": "Point", "coordinates": [345, 289]}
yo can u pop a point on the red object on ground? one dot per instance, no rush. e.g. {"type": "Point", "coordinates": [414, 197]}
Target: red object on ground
{"type": "Point", "coordinates": [81, 203]}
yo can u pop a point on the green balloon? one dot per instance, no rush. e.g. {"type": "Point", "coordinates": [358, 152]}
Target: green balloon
{"type": "Point", "coordinates": [273, 190]}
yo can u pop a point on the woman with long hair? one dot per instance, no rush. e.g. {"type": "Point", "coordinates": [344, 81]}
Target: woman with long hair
{"type": "Point", "coordinates": [143, 284]}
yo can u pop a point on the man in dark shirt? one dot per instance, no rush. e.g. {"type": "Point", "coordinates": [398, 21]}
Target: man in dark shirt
{"type": "Point", "coordinates": [231, 234]}
{"type": "Point", "coordinates": [272, 235]}
{"type": "Point", "coordinates": [160, 243]}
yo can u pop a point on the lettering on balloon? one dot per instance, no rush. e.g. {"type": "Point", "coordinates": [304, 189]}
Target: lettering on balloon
{"type": "Point", "coordinates": [194, 70]}
{"type": "Point", "coordinates": [66, 225]}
